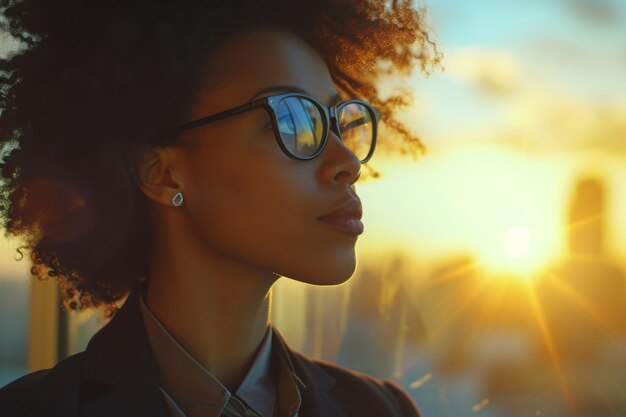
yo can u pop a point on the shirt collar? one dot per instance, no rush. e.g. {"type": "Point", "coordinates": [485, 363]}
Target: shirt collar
{"type": "Point", "coordinates": [258, 388]}
{"type": "Point", "coordinates": [195, 390]}
{"type": "Point", "coordinates": [198, 392]}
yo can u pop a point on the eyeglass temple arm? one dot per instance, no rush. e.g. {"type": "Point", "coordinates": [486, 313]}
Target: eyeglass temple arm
{"type": "Point", "coordinates": [359, 122]}
{"type": "Point", "coordinates": [223, 115]}
{"type": "Point", "coordinates": [362, 120]}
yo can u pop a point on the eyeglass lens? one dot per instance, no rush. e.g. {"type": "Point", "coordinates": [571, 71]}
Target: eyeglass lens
{"type": "Point", "coordinates": [357, 129]}
{"type": "Point", "coordinates": [301, 127]}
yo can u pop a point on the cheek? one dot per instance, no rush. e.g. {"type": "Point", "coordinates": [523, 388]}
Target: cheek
{"type": "Point", "coordinates": [229, 172]}
{"type": "Point", "coordinates": [254, 204]}
{"type": "Point", "coordinates": [252, 199]}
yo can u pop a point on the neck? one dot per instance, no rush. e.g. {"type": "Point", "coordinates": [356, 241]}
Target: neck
{"type": "Point", "coordinates": [215, 307]}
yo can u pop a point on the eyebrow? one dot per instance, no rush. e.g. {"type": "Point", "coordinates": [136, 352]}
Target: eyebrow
{"type": "Point", "coordinates": [334, 99]}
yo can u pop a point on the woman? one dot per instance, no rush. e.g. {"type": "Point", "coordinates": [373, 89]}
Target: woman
{"type": "Point", "coordinates": [191, 154]}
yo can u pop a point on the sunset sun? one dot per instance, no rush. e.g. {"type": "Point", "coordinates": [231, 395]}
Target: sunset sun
{"type": "Point", "coordinates": [517, 243]}
{"type": "Point", "coordinates": [514, 253]}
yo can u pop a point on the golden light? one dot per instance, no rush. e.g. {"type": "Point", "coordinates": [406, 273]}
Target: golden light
{"type": "Point", "coordinates": [515, 255]}
{"type": "Point", "coordinates": [491, 204]}
{"type": "Point", "coordinates": [517, 243]}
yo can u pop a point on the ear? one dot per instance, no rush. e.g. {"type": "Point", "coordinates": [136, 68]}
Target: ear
{"type": "Point", "coordinates": [156, 175]}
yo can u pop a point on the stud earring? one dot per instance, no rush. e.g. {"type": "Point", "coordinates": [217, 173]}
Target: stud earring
{"type": "Point", "coordinates": [177, 199]}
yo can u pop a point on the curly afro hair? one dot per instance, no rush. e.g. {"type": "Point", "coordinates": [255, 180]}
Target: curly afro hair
{"type": "Point", "coordinates": [94, 81]}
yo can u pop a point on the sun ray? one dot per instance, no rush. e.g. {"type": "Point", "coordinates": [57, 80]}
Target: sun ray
{"type": "Point", "coordinates": [582, 222]}
{"type": "Point", "coordinates": [454, 313]}
{"type": "Point", "coordinates": [585, 257]}
{"type": "Point", "coordinates": [488, 308]}
{"type": "Point", "coordinates": [581, 302]}
{"type": "Point", "coordinates": [552, 351]}
{"type": "Point", "coordinates": [459, 272]}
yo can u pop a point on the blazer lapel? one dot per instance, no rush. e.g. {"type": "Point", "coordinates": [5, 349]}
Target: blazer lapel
{"type": "Point", "coordinates": [317, 399]}
{"type": "Point", "coordinates": [119, 375]}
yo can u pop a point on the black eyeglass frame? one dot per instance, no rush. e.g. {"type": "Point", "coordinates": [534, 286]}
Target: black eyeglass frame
{"type": "Point", "coordinates": [270, 103]}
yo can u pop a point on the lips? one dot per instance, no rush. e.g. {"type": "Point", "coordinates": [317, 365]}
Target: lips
{"type": "Point", "coordinates": [346, 218]}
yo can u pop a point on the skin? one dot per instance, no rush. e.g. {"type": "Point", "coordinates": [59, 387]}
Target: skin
{"type": "Point", "coordinates": [250, 212]}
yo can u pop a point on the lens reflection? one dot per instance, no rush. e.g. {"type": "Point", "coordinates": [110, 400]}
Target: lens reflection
{"type": "Point", "coordinates": [303, 128]}
{"type": "Point", "coordinates": [357, 129]}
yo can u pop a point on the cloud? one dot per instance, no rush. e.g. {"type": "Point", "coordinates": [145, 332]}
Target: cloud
{"type": "Point", "coordinates": [535, 110]}
{"type": "Point", "coordinates": [610, 128]}
{"type": "Point", "coordinates": [492, 71]}
{"type": "Point", "coordinates": [554, 119]}
{"type": "Point", "coordinates": [562, 50]}
{"type": "Point", "coordinates": [596, 12]}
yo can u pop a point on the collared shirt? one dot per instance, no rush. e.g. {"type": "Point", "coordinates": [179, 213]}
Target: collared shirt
{"type": "Point", "coordinates": [271, 387]}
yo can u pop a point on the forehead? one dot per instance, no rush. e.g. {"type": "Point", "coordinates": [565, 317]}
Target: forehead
{"type": "Point", "coordinates": [250, 62]}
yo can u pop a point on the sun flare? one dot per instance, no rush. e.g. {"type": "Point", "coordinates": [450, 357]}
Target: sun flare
{"type": "Point", "coordinates": [517, 243]}
{"type": "Point", "coordinates": [515, 255]}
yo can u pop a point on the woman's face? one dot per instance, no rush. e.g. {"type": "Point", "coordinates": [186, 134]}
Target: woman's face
{"type": "Point", "coordinates": [244, 198]}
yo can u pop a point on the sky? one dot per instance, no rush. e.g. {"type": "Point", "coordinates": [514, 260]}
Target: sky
{"type": "Point", "coordinates": [532, 97]}
{"type": "Point", "coordinates": [503, 58]}
{"type": "Point", "coordinates": [525, 68]}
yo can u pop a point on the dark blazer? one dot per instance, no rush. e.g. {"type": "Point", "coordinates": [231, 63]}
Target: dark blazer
{"type": "Point", "coordinates": [116, 376]}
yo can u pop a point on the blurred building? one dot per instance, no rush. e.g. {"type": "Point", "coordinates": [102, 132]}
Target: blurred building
{"type": "Point", "coordinates": [554, 347]}
{"type": "Point", "coordinates": [13, 328]}
{"type": "Point", "coordinates": [584, 296]}
{"type": "Point", "coordinates": [384, 329]}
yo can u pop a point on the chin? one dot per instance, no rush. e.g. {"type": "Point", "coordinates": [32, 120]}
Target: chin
{"type": "Point", "coordinates": [325, 273]}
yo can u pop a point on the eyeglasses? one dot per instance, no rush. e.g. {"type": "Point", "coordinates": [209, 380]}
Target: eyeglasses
{"type": "Point", "coordinates": [301, 124]}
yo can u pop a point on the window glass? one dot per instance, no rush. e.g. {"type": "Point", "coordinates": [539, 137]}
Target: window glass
{"type": "Point", "coordinates": [14, 286]}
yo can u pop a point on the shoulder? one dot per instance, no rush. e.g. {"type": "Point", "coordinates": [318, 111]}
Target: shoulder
{"type": "Point", "coordinates": [48, 392]}
{"type": "Point", "coordinates": [371, 391]}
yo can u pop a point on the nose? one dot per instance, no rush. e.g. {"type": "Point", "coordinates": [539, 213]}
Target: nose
{"type": "Point", "coordinates": [339, 164]}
